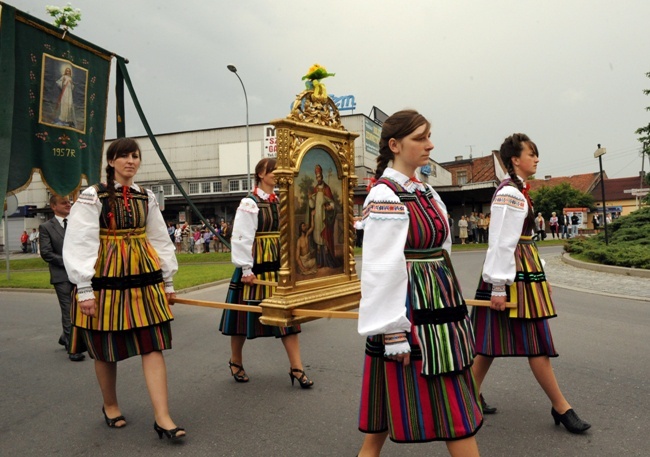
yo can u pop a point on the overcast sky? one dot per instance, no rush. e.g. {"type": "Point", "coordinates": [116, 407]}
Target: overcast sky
{"type": "Point", "coordinates": [568, 73]}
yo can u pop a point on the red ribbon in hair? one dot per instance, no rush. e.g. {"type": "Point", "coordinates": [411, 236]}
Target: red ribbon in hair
{"type": "Point", "coordinates": [371, 182]}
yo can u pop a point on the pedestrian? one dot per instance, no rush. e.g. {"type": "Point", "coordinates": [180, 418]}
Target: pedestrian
{"type": "Point", "coordinates": [123, 263]}
{"type": "Point", "coordinates": [482, 228]}
{"type": "Point", "coordinates": [462, 229]}
{"type": "Point", "coordinates": [565, 225]}
{"type": "Point", "coordinates": [452, 224]}
{"type": "Point", "coordinates": [553, 223]}
{"type": "Point", "coordinates": [256, 255]}
{"type": "Point", "coordinates": [24, 241]}
{"type": "Point", "coordinates": [178, 238]}
{"type": "Point", "coordinates": [472, 227]}
{"type": "Point", "coordinates": [540, 227]}
{"type": "Point", "coordinates": [417, 384]}
{"type": "Point", "coordinates": [514, 271]}
{"type": "Point", "coordinates": [207, 238]}
{"type": "Point", "coordinates": [575, 223]}
{"type": "Point", "coordinates": [198, 240]}
{"type": "Point", "coordinates": [52, 234]}
{"type": "Point", "coordinates": [33, 240]}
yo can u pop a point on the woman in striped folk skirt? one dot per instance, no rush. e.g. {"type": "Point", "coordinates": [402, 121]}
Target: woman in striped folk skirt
{"type": "Point", "coordinates": [514, 272]}
{"type": "Point", "coordinates": [255, 251]}
{"type": "Point", "coordinates": [417, 382]}
{"type": "Point", "coordinates": [122, 261]}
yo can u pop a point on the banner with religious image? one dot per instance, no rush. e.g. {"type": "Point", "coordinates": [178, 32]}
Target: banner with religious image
{"type": "Point", "coordinates": [53, 98]}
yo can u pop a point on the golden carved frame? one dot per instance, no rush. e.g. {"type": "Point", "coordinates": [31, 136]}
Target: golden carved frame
{"type": "Point", "coordinates": [314, 122]}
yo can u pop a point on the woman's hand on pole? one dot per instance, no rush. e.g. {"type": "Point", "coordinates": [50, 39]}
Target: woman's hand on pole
{"type": "Point", "coordinates": [498, 303]}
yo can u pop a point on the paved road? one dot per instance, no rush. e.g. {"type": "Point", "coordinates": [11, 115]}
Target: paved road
{"type": "Point", "coordinates": [50, 406]}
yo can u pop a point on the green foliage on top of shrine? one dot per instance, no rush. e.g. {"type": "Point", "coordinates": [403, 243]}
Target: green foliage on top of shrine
{"type": "Point", "coordinates": [629, 244]}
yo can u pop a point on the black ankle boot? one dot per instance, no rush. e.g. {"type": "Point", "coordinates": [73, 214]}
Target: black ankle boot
{"type": "Point", "coordinates": [487, 409]}
{"type": "Point", "coordinates": [570, 420]}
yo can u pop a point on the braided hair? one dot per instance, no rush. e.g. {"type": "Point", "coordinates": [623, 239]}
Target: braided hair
{"type": "Point", "coordinates": [512, 147]}
{"type": "Point", "coordinates": [398, 126]}
{"type": "Point", "coordinates": [121, 147]}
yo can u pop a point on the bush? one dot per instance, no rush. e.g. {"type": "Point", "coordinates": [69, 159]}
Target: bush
{"type": "Point", "coordinates": [629, 244]}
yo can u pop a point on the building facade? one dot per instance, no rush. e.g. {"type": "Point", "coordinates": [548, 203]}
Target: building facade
{"type": "Point", "coordinates": [211, 167]}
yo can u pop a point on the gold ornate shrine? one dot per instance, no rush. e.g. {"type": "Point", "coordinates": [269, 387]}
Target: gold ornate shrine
{"type": "Point", "coordinates": [315, 177]}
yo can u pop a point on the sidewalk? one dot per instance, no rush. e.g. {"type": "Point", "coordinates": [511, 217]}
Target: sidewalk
{"type": "Point", "coordinates": [562, 274]}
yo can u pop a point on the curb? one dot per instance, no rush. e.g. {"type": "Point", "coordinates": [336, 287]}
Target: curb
{"type": "Point", "coordinates": [636, 272]}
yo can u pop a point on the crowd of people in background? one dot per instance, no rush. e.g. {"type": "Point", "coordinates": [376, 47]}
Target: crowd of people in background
{"type": "Point", "coordinates": [474, 228]}
{"type": "Point", "coordinates": [198, 239]}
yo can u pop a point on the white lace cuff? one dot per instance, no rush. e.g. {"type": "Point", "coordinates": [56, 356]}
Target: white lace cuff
{"type": "Point", "coordinates": [397, 348]}
{"type": "Point", "coordinates": [85, 293]}
{"type": "Point", "coordinates": [246, 271]}
{"type": "Point", "coordinates": [169, 287]}
{"type": "Point", "coordinates": [499, 290]}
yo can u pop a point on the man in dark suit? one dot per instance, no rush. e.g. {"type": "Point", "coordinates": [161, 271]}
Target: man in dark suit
{"type": "Point", "coordinates": [51, 237]}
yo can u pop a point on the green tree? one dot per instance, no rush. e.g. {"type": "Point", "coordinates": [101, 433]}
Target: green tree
{"type": "Point", "coordinates": [548, 199]}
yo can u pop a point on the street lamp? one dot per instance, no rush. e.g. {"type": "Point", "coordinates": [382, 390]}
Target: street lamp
{"type": "Point", "coordinates": [248, 151]}
{"type": "Point", "coordinates": [599, 153]}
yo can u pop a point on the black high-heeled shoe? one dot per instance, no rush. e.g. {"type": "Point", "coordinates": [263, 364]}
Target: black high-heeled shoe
{"type": "Point", "coordinates": [111, 422]}
{"type": "Point", "coordinates": [170, 434]}
{"type": "Point", "coordinates": [487, 409]}
{"type": "Point", "coordinates": [239, 375]}
{"type": "Point", "coordinates": [303, 380]}
{"type": "Point", "coordinates": [570, 420]}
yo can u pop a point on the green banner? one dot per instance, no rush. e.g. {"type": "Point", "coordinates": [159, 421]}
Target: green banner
{"type": "Point", "coordinates": [54, 91]}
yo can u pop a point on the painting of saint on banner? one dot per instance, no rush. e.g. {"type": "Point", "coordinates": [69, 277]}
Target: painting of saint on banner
{"type": "Point", "coordinates": [63, 94]}
{"type": "Point", "coordinates": [319, 217]}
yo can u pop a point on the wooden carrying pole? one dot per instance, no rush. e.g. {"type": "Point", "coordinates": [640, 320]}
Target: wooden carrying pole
{"type": "Point", "coordinates": [302, 312]}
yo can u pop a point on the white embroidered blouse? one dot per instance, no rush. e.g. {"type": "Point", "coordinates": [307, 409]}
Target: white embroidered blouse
{"type": "Point", "coordinates": [382, 309]}
{"type": "Point", "coordinates": [243, 232]}
{"type": "Point", "coordinates": [508, 213]}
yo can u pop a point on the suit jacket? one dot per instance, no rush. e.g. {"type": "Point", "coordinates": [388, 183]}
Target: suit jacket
{"type": "Point", "coordinates": [51, 242]}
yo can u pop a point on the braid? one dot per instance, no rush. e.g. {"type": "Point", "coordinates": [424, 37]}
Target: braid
{"type": "Point", "coordinates": [515, 179]}
{"type": "Point", "coordinates": [110, 188]}
{"type": "Point", "coordinates": [385, 156]}
{"type": "Point", "coordinates": [512, 147]}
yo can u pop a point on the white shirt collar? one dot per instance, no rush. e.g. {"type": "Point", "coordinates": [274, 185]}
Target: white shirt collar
{"type": "Point", "coordinates": [403, 180]}
{"type": "Point", "coordinates": [260, 193]}
{"type": "Point", "coordinates": [60, 219]}
{"type": "Point", "coordinates": [133, 186]}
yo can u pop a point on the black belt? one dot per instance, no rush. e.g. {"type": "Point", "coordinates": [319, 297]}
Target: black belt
{"type": "Point", "coordinates": [439, 316]}
{"type": "Point", "coordinates": [266, 267]}
{"type": "Point", "coordinates": [127, 282]}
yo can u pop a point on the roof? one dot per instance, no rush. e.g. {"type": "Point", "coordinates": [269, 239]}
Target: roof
{"type": "Point", "coordinates": [584, 183]}
{"type": "Point", "coordinates": [614, 188]}
{"type": "Point", "coordinates": [481, 169]}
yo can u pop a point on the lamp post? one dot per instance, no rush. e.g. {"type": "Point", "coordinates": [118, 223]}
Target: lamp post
{"type": "Point", "coordinates": [599, 153]}
{"type": "Point", "coordinates": [248, 151]}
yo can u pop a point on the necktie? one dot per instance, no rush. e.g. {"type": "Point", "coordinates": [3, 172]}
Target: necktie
{"type": "Point", "coordinates": [65, 224]}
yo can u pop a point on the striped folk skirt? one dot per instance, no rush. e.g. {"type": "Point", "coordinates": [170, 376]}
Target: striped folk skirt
{"type": "Point", "coordinates": [415, 408]}
{"type": "Point", "coordinates": [265, 268]}
{"type": "Point", "coordinates": [435, 397]}
{"type": "Point", "coordinates": [523, 331]}
{"type": "Point", "coordinates": [133, 315]}
{"type": "Point", "coordinates": [116, 346]}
